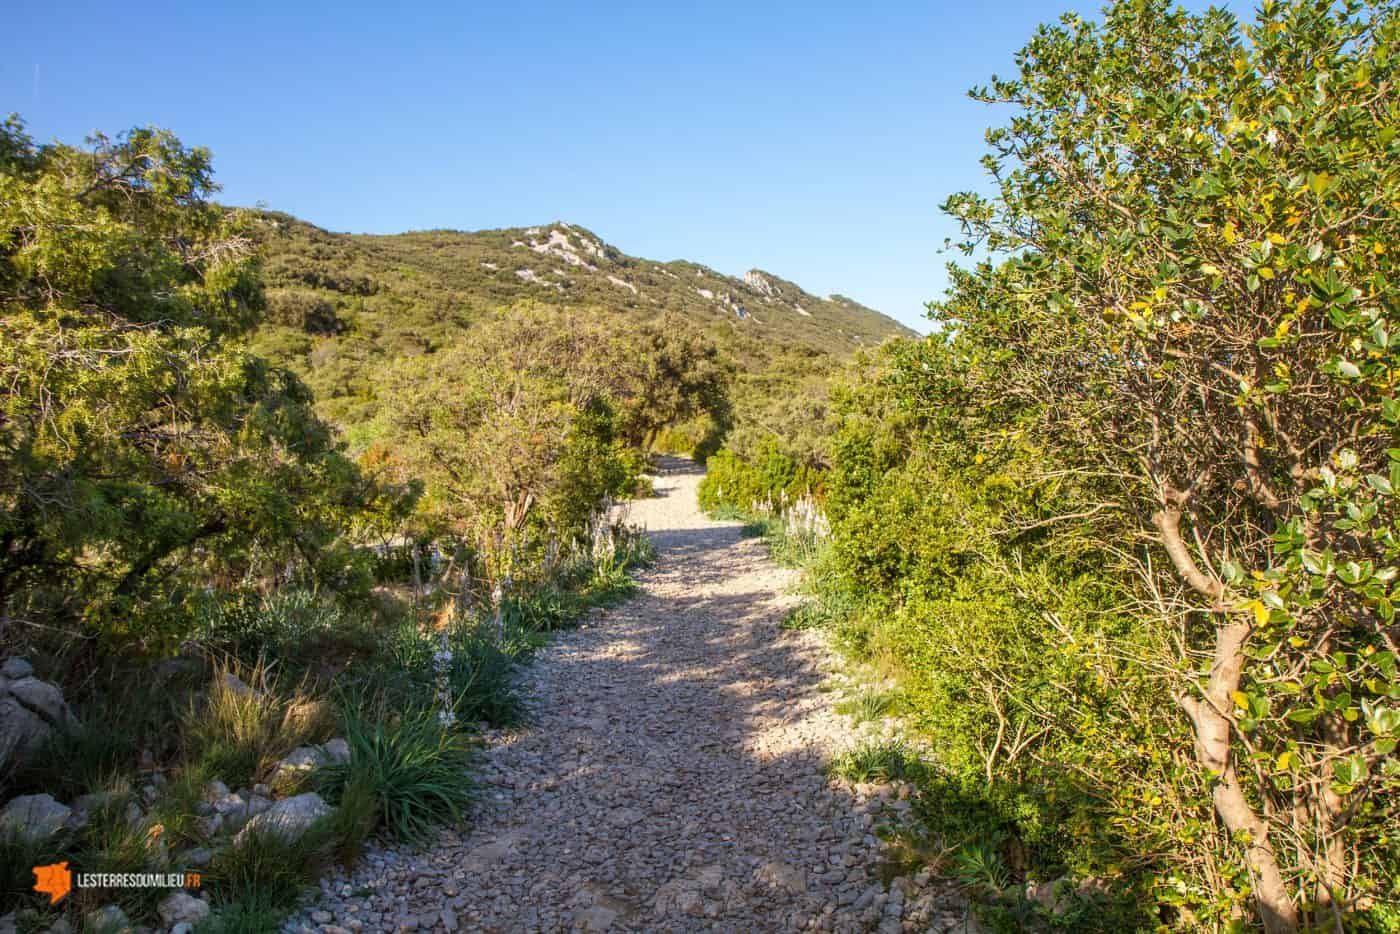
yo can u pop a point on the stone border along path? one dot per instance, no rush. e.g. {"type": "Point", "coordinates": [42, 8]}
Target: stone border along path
{"type": "Point", "coordinates": [672, 777]}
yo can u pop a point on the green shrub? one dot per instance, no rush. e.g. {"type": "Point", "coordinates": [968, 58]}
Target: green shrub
{"type": "Point", "coordinates": [483, 680]}
{"type": "Point", "coordinates": [732, 481]}
{"type": "Point", "coordinates": [293, 627]}
{"type": "Point", "coordinates": [675, 441]}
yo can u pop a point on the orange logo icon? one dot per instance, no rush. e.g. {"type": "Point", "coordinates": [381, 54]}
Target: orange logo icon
{"type": "Point", "coordinates": [54, 881]}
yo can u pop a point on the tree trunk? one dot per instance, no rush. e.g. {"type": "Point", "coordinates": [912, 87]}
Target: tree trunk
{"type": "Point", "coordinates": [1211, 725]}
{"type": "Point", "coordinates": [1332, 885]}
{"type": "Point", "coordinates": [1212, 730]}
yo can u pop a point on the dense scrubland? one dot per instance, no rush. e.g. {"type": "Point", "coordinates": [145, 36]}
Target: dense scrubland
{"type": "Point", "coordinates": [1116, 543]}
{"type": "Point", "coordinates": [1122, 530]}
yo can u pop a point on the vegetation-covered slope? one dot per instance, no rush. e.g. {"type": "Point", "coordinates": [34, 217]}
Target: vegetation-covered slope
{"type": "Point", "coordinates": [340, 305]}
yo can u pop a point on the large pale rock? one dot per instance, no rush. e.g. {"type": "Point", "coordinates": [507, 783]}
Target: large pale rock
{"type": "Point", "coordinates": [236, 686]}
{"type": "Point", "coordinates": [16, 668]}
{"type": "Point", "coordinates": [182, 908]}
{"type": "Point", "coordinates": [236, 810]}
{"type": "Point", "coordinates": [30, 710]}
{"type": "Point", "coordinates": [33, 818]}
{"type": "Point", "coordinates": [298, 764]}
{"type": "Point", "coordinates": [337, 751]}
{"type": "Point", "coordinates": [288, 818]}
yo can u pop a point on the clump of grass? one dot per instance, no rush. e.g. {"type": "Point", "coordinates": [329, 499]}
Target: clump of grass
{"type": "Point", "coordinates": [483, 683]}
{"type": "Point", "coordinates": [176, 811]}
{"type": "Point", "coordinates": [806, 615]}
{"type": "Point", "coordinates": [241, 730]}
{"type": "Point", "coordinates": [546, 609]}
{"type": "Point", "coordinates": [291, 625]}
{"type": "Point", "coordinates": [877, 761]}
{"type": "Point", "coordinates": [728, 512]}
{"type": "Point", "coordinates": [255, 914]}
{"type": "Point", "coordinates": [414, 770]}
{"type": "Point", "coordinates": [264, 873]}
{"type": "Point", "coordinates": [112, 842]}
{"type": "Point", "coordinates": [74, 760]}
{"type": "Point", "coordinates": [868, 706]}
{"type": "Point", "coordinates": [481, 672]}
{"type": "Point", "coordinates": [18, 856]}
{"type": "Point", "coordinates": [754, 527]}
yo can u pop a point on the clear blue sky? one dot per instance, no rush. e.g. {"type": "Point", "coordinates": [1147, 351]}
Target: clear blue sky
{"type": "Point", "coordinates": [812, 140]}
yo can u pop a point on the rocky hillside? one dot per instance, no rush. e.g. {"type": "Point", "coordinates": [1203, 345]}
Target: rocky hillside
{"type": "Point", "coordinates": [458, 272]}
{"type": "Point", "coordinates": [344, 308]}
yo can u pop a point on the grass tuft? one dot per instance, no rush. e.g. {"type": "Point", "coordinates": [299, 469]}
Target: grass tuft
{"type": "Point", "coordinates": [264, 874]}
{"type": "Point", "coordinates": [238, 734]}
{"type": "Point", "coordinates": [877, 761]}
{"type": "Point", "coordinates": [411, 773]}
{"type": "Point", "coordinates": [869, 706]}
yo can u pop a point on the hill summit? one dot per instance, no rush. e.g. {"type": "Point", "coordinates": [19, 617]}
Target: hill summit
{"type": "Point", "coordinates": [559, 263]}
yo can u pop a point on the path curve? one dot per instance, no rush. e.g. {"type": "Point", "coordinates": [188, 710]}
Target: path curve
{"type": "Point", "coordinates": [672, 777]}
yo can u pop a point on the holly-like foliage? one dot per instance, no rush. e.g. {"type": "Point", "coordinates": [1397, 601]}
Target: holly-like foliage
{"type": "Point", "coordinates": [1155, 441]}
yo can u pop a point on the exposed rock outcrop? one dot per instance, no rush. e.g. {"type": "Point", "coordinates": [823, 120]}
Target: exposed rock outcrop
{"type": "Point", "coordinates": [30, 710]}
{"type": "Point", "coordinates": [288, 818]}
{"type": "Point", "coordinates": [33, 818]}
{"type": "Point", "coordinates": [761, 284]}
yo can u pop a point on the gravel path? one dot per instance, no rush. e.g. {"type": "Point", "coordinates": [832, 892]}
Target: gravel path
{"type": "Point", "coordinates": [672, 778]}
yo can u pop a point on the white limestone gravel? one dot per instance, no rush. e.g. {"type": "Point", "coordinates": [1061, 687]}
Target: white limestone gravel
{"type": "Point", "coordinates": [672, 777]}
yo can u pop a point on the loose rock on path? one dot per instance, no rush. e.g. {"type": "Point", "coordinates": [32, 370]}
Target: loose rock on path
{"type": "Point", "coordinates": [672, 777]}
